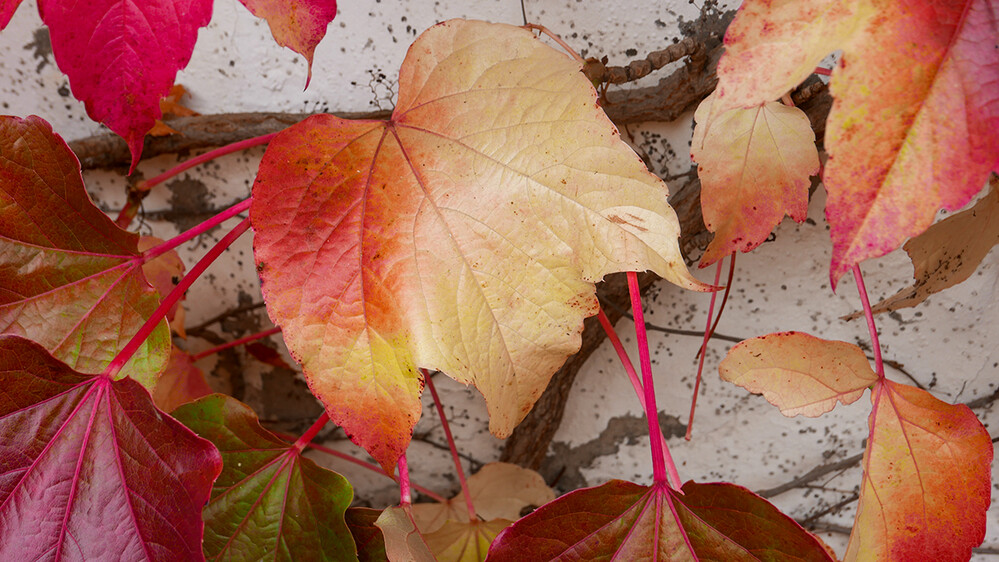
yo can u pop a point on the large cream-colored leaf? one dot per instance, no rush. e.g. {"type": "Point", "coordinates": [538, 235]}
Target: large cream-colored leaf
{"type": "Point", "coordinates": [464, 234]}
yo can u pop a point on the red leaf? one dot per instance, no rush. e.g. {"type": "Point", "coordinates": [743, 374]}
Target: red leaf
{"type": "Point", "coordinates": [927, 479]}
{"type": "Point", "coordinates": [625, 521]}
{"type": "Point", "coordinates": [297, 24]}
{"type": "Point", "coordinates": [7, 9]}
{"type": "Point", "coordinates": [180, 383]}
{"type": "Point", "coordinates": [464, 235]}
{"type": "Point", "coordinates": [915, 119]}
{"type": "Point", "coordinates": [91, 470]}
{"type": "Point", "coordinates": [70, 279]}
{"type": "Point", "coordinates": [122, 56]}
{"type": "Point", "coordinates": [269, 502]}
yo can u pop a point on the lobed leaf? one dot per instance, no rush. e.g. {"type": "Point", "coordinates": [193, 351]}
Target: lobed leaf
{"type": "Point", "coordinates": [122, 56]}
{"type": "Point", "coordinates": [70, 279]}
{"type": "Point", "coordinates": [799, 373]}
{"type": "Point", "coordinates": [927, 479]}
{"type": "Point", "coordinates": [947, 253]}
{"type": "Point", "coordinates": [269, 502]}
{"type": "Point", "coordinates": [625, 521]}
{"type": "Point", "coordinates": [754, 165]}
{"type": "Point", "coordinates": [915, 119]}
{"type": "Point", "coordinates": [499, 490]}
{"type": "Point", "coordinates": [462, 235]}
{"type": "Point", "coordinates": [90, 469]}
{"type": "Point", "coordinates": [299, 25]}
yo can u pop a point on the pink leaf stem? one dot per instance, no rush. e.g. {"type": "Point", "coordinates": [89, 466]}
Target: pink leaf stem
{"type": "Point", "coordinates": [175, 295]}
{"type": "Point", "coordinates": [208, 156]}
{"type": "Point", "coordinates": [196, 230]}
{"type": "Point", "coordinates": [450, 443]}
{"type": "Point", "coordinates": [704, 346]}
{"type": "Point", "coordinates": [648, 384]}
{"type": "Point", "coordinates": [311, 433]}
{"type": "Point", "coordinates": [372, 467]}
{"type": "Point", "coordinates": [671, 472]}
{"type": "Point", "coordinates": [405, 497]}
{"type": "Point", "coordinates": [878, 363]}
{"type": "Point", "coordinates": [235, 343]}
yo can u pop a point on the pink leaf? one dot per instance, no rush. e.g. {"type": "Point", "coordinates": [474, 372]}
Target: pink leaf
{"type": "Point", "coordinates": [122, 56]}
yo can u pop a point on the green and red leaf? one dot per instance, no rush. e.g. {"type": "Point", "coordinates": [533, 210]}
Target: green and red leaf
{"type": "Point", "coordinates": [927, 479]}
{"type": "Point", "coordinates": [91, 470]}
{"type": "Point", "coordinates": [799, 373]}
{"type": "Point", "coordinates": [463, 235]}
{"type": "Point", "coordinates": [754, 165]}
{"type": "Point", "coordinates": [915, 120]}
{"type": "Point", "coordinates": [70, 279]}
{"type": "Point", "coordinates": [625, 521]}
{"type": "Point", "coordinates": [121, 56]}
{"type": "Point", "coordinates": [269, 502]}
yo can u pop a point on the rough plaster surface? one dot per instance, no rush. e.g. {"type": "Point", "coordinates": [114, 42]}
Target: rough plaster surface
{"type": "Point", "coordinates": [945, 344]}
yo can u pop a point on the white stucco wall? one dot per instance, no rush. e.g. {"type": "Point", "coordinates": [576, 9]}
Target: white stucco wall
{"type": "Point", "coordinates": [946, 343]}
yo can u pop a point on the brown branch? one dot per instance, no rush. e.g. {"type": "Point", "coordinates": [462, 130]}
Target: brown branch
{"type": "Point", "coordinates": [813, 474]}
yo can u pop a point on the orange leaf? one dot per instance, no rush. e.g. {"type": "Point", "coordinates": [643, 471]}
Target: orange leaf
{"type": "Point", "coordinates": [464, 234]}
{"type": "Point", "coordinates": [180, 383]}
{"type": "Point", "coordinates": [915, 120]}
{"type": "Point", "coordinates": [926, 482]}
{"type": "Point", "coordinates": [799, 373]}
{"type": "Point", "coordinates": [754, 166]}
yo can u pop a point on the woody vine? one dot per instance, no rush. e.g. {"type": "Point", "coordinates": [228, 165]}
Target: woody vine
{"type": "Point", "coordinates": [464, 234]}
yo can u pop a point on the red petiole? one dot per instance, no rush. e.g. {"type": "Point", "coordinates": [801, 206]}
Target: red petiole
{"type": "Point", "coordinates": [450, 443]}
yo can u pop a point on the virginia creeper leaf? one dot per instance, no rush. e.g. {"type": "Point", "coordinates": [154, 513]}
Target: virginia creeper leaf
{"type": "Point", "coordinates": [915, 119]}
{"type": "Point", "coordinates": [403, 541]}
{"type": "Point", "coordinates": [180, 383]}
{"type": "Point", "coordinates": [625, 521]}
{"type": "Point", "coordinates": [499, 490]}
{"type": "Point", "coordinates": [122, 56]}
{"type": "Point", "coordinates": [465, 541]}
{"type": "Point", "coordinates": [463, 235]}
{"type": "Point", "coordinates": [266, 354]}
{"type": "Point", "coordinates": [368, 538]}
{"type": "Point", "coordinates": [947, 253]}
{"type": "Point", "coordinates": [754, 166]}
{"type": "Point", "coordinates": [799, 373]}
{"type": "Point", "coordinates": [164, 272]}
{"type": "Point", "coordinates": [269, 502]}
{"type": "Point", "coordinates": [927, 479]}
{"type": "Point", "coordinates": [7, 9]}
{"type": "Point", "coordinates": [299, 25]}
{"type": "Point", "coordinates": [70, 279]}
{"type": "Point", "coordinates": [90, 469]}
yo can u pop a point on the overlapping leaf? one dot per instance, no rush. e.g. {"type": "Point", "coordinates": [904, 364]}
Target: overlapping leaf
{"type": "Point", "coordinates": [625, 521]}
{"type": "Point", "coordinates": [121, 56]}
{"type": "Point", "coordinates": [499, 490]}
{"type": "Point", "coordinates": [299, 25]}
{"type": "Point", "coordinates": [465, 541]}
{"type": "Point", "coordinates": [915, 122]}
{"type": "Point", "coordinates": [948, 252]}
{"type": "Point", "coordinates": [799, 373]}
{"type": "Point", "coordinates": [164, 273]}
{"type": "Point", "coordinates": [464, 234]}
{"type": "Point", "coordinates": [91, 470]}
{"type": "Point", "coordinates": [403, 540]}
{"type": "Point", "coordinates": [70, 279]}
{"type": "Point", "coordinates": [180, 383]}
{"type": "Point", "coordinates": [926, 486]}
{"type": "Point", "coordinates": [269, 502]}
{"type": "Point", "coordinates": [368, 538]}
{"type": "Point", "coordinates": [754, 165]}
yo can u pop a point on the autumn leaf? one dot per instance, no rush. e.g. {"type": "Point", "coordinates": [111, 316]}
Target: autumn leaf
{"type": "Point", "coordinates": [462, 235]}
{"type": "Point", "coordinates": [269, 502]}
{"type": "Point", "coordinates": [498, 490]}
{"type": "Point", "coordinates": [299, 25]}
{"type": "Point", "coordinates": [170, 106]}
{"type": "Point", "coordinates": [266, 354]}
{"type": "Point", "coordinates": [7, 9]}
{"type": "Point", "coordinates": [164, 272]}
{"type": "Point", "coordinates": [927, 479]}
{"type": "Point", "coordinates": [625, 521]}
{"type": "Point", "coordinates": [92, 470]}
{"type": "Point", "coordinates": [464, 541]}
{"type": "Point", "coordinates": [180, 383]}
{"type": "Point", "coordinates": [915, 120]}
{"type": "Point", "coordinates": [70, 279]}
{"type": "Point", "coordinates": [121, 56]}
{"type": "Point", "coordinates": [368, 538]}
{"type": "Point", "coordinates": [947, 253]}
{"type": "Point", "coordinates": [799, 373]}
{"type": "Point", "coordinates": [403, 541]}
{"type": "Point", "coordinates": [754, 165]}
